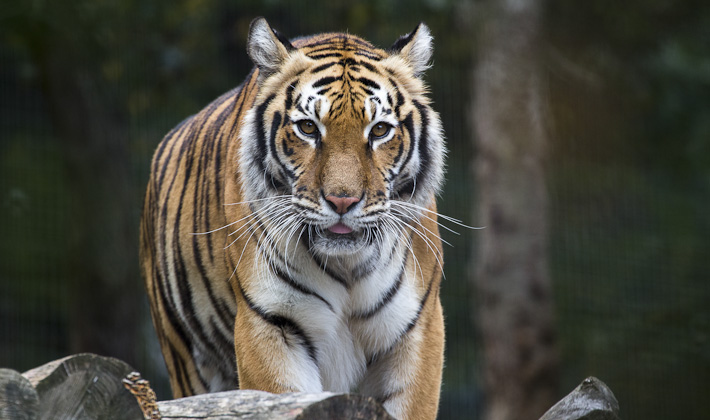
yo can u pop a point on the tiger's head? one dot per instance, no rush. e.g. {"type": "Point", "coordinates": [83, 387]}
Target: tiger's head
{"type": "Point", "coordinates": [341, 144]}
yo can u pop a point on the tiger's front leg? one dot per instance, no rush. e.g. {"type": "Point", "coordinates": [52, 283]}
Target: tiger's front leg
{"type": "Point", "coordinates": [273, 354]}
{"type": "Point", "coordinates": [407, 380]}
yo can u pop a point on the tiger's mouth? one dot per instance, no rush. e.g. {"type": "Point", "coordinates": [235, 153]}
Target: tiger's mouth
{"type": "Point", "coordinates": [340, 229]}
{"type": "Point", "coordinates": [338, 239]}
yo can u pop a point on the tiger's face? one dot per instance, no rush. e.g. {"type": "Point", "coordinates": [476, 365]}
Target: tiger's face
{"type": "Point", "coordinates": [341, 146]}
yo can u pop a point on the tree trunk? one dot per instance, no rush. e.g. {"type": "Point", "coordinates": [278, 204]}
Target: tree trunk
{"type": "Point", "coordinates": [591, 400]}
{"type": "Point", "coordinates": [258, 405]}
{"type": "Point", "coordinates": [83, 387]}
{"type": "Point", "coordinates": [18, 398]}
{"type": "Point", "coordinates": [91, 387]}
{"type": "Point", "coordinates": [511, 275]}
{"type": "Point", "coordinates": [87, 386]}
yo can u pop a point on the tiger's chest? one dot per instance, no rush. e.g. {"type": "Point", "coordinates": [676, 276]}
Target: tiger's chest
{"type": "Point", "coordinates": [349, 312]}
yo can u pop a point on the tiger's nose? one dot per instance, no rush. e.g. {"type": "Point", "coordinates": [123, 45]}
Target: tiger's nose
{"type": "Point", "coordinates": [341, 204]}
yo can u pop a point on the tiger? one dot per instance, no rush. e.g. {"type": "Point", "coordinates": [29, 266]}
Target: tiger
{"type": "Point", "coordinates": [289, 236]}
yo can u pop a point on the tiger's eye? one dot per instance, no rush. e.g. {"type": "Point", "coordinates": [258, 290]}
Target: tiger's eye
{"type": "Point", "coordinates": [380, 130]}
{"type": "Point", "coordinates": [307, 127]}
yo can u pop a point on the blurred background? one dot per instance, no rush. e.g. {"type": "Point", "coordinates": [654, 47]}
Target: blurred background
{"type": "Point", "coordinates": [618, 110]}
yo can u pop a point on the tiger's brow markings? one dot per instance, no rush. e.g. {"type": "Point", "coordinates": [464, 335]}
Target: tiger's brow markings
{"type": "Point", "coordinates": [347, 76]}
{"type": "Point", "coordinates": [324, 67]}
{"type": "Point", "coordinates": [326, 80]}
{"type": "Point", "coordinates": [326, 55]}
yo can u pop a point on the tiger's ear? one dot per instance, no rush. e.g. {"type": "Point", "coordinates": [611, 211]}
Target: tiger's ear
{"type": "Point", "coordinates": [416, 48]}
{"type": "Point", "coordinates": [267, 48]}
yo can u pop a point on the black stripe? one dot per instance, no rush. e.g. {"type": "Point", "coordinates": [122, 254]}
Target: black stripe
{"type": "Point", "coordinates": [186, 388]}
{"type": "Point", "coordinates": [373, 358]}
{"type": "Point", "coordinates": [368, 82]}
{"type": "Point", "coordinates": [408, 124]}
{"type": "Point", "coordinates": [348, 62]}
{"type": "Point", "coordinates": [362, 43]}
{"type": "Point", "coordinates": [177, 134]}
{"type": "Point", "coordinates": [326, 80]}
{"type": "Point", "coordinates": [368, 55]}
{"type": "Point", "coordinates": [388, 296]}
{"type": "Point", "coordinates": [228, 133]}
{"type": "Point", "coordinates": [302, 207]}
{"type": "Point", "coordinates": [289, 95]}
{"type": "Point", "coordinates": [260, 157]}
{"type": "Point", "coordinates": [225, 318]}
{"type": "Point", "coordinates": [286, 325]}
{"type": "Point", "coordinates": [228, 357]}
{"type": "Point", "coordinates": [272, 136]}
{"type": "Point", "coordinates": [275, 123]}
{"type": "Point", "coordinates": [281, 37]}
{"type": "Point", "coordinates": [242, 95]}
{"type": "Point", "coordinates": [200, 199]}
{"type": "Point", "coordinates": [361, 272]}
{"type": "Point", "coordinates": [324, 267]}
{"type": "Point", "coordinates": [400, 99]}
{"type": "Point", "coordinates": [323, 67]}
{"type": "Point", "coordinates": [306, 291]}
{"type": "Point", "coordinates": [276, 184]}
{"type": "Point", "coordinates": [414, 320]}
{"type": "Point", "coordinates": [279, 185]}
{"type": "Point", "coordinates": [340, 41]}
{"type": "Point", "coordinates": [400, 150]}
{"type": "Point", "coordinates": [343, 47]}
{"type": "Point", "coordinates": [318, 56]}
{"type": "Point", "coordinates": [403, 41]}
{"type": "Point", "coordinates": [264, 237]}
{"type": "Point", "coordinates": [406, 188]}
{"type": "Point", "coordinates": [288, 151]}
{"type": "Point", "coordinates": [369, 67]}
{"type": "Point", "coordinates": [423, 141]}
{"type": "Point", "coordinates": [319, 43]}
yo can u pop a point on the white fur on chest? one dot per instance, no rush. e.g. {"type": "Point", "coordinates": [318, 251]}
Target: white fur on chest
{"type": "Point", "coordinates": [353, 326]}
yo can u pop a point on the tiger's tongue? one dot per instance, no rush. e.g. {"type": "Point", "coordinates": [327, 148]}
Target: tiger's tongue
{"type": "Point", "coordinates": [340, 229]}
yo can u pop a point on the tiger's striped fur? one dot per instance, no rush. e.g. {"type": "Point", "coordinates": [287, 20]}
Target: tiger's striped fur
{"type": "Point", "coordinates": [289, 231]}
